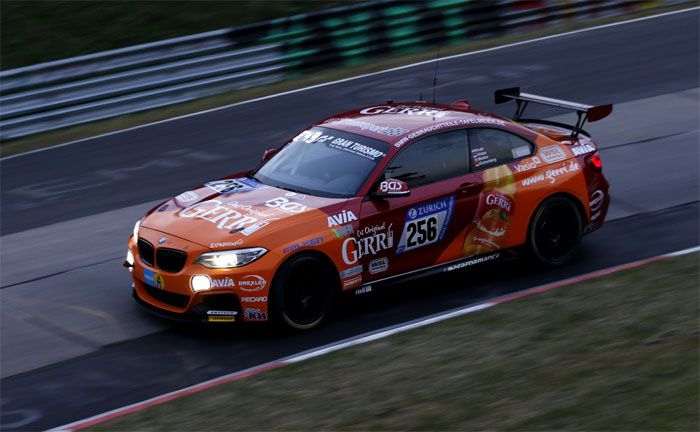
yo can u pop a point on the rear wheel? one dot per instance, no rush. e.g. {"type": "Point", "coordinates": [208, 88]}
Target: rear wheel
{"type": "Point", "coordinates": [303, 292]}
{"type": "Point", "coordinates": [555, 232]}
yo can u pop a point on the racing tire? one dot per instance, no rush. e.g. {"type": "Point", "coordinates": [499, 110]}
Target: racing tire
{"type": "Point", "coordinates": [555, 232]}
{"type": "Point", "coordinates": [303, 293]}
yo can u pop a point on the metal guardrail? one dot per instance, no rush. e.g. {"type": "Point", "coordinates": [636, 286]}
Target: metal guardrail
{"type": "Point", "coordinates": [67, 92]}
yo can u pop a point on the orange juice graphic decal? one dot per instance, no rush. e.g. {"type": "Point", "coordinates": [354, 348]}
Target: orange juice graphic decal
{"type": "Point", "coordinates": [496, 205]}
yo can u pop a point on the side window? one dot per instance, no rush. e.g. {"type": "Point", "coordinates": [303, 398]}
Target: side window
{"type": "Point", "coordinates": [434, 158]}
{"type": "Point", "coordinates": [489, 147]}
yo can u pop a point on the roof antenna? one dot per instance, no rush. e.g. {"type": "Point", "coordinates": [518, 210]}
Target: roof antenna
{"type": "Point", "coordinates": [420, 96]}
{"type": "Point", "coordinates": [437, 57]}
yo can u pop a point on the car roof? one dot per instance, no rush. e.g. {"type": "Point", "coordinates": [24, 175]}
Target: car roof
{"type": "Point", "coordinates": [399, 123]}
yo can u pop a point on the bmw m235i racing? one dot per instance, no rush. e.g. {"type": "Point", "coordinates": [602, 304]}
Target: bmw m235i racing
{"type": "Point", "coordinates": [365, 198]}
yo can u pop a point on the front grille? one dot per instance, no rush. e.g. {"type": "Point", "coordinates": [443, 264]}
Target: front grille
{"type": "Point", "coordinates": [167, 297]}
{"type": "Point", "coordinates": [146, 251]}
{"type": "Point", "coordinates": [170, 260]}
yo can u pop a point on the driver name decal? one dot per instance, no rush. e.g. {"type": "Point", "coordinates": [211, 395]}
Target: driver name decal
{"type": "Point", "coordinates": [426, 224]}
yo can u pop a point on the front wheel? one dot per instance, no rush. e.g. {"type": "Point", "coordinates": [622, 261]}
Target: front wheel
{"type": "Point", "coordinates": [303, 292]}
{"type": "Point", "coordinates": [555, 232]}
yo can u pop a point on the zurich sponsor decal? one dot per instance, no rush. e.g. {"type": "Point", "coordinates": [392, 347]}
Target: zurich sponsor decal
{"type": "Point", "coordinates": [228, 186]}
{"type": "Point", "coordinates": [426, 224]}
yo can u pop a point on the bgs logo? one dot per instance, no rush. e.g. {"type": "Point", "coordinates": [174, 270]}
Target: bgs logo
{"type": "Point", "coordinates": [285, 205]}
{"type": "Point", "coordinates": [390, 186]}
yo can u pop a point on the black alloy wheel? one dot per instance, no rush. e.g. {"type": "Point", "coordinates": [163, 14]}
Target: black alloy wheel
{"type": "Point", "coordinates": [555, 232]}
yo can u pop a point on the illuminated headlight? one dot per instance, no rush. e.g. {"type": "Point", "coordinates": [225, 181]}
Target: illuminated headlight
{"type": "Point", "coordinates": [129, 257]}
{"type": "Point", "coordinates": [230, 258]}
{"type": "Point", "coordinates": [200, 283]}
{"type": "Point", "coordinates": [137, 225]}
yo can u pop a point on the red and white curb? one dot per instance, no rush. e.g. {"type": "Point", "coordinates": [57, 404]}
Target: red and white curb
{"type": "Point", "coordinates": [358, 340]}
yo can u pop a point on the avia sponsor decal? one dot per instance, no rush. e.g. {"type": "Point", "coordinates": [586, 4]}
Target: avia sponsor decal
{"type": "Point", "coordinates": [426, 224]}
{"type": "Point", "coordinates": [228, 186]}
{"type": "Point", "coordinates": [343, 231]}
{"type": "Point", "coordinates": [252, 283]}
{"type": "Point", "coordinates": [226, 282]}
{"type": "Point", "coordinates": [473, 262]}
{"type": "Point", "coordinates": [254, 299]}
{"type": "Point", "coordinates": [352, 271]}
{"type": "Point", "coordinates": [254, 314]}
{"type": "Point", "coordinates": [226, 244]}
{"type": "Point", "coordinates": [341, 218]}
{"type": "Point", "coordinates": [596, 200]}
{"type": "Point", "coordinates": [551, 175]}
{"type": "Point", "coordinates": [343, 144]}
{"type": "Point", "coordinates": [186, 197]}
{"type": "Point", "coordinates": [528, 164]}
{"type": "Point", "coordinates": [405, 109]}
{"type": "Point", "coordinates": [353, 281]}
{"type": "Point", "coordinates": [305, 243]}
{"type": "Point", "coordinates": [215, 212]}
{"type": "Point", "coordinates": [582, 149]}
{"type": "Point", "coordinates": [376, 240]}
{"type": "Point", "coordinates": [285, 205]}
{"type": "Point", "coordinates": [378, 265]}
{"type": "Point", "coordinates": [363, 290]}
{"type": "Point", "coordinates": [552, 154]}
{"type": "Point", "coordinates": [448, 124]}
{"type": "Point", "coordinates": [153, 279]}
{"type": "Point", "coordinates": [366, 126]}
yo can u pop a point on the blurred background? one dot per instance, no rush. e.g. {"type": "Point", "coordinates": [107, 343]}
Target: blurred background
{"type": "Point", "coordinates": [109, 107]}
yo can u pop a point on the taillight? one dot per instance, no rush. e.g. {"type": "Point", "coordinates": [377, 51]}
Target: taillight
{"type": "Point", "coordinates": [595, 162]}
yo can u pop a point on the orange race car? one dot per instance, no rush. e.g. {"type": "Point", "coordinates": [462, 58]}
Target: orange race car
{"type": "Point", "coordinates": [366, 198]}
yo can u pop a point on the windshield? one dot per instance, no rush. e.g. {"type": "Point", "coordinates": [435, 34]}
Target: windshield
{"type": "Point", "coordinates": [324, 162]}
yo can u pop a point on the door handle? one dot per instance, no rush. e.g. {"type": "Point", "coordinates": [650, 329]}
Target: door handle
{"type": "Point", "coordinates": [469, 188]}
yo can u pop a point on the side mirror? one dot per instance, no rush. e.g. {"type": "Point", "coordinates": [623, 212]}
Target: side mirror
{"type": "Point", "coordinates": [269, 153]}
{"type": "Point", "coordinates": [391, 188]}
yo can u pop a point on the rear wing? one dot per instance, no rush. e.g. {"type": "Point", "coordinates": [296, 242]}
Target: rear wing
{"type": "Point", "coordinates": [584, 112]}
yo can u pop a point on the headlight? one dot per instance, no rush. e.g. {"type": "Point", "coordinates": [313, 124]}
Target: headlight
{"type": "Point", "coordinates": [200, 283]}
{"type": "Point", "coordinates": [230, 258]}
{"type": "Point", "coordinates": [137, 225]}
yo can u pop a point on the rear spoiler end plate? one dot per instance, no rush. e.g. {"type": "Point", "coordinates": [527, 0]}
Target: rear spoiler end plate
{"type": "Point", "coordinates": [585, 112]}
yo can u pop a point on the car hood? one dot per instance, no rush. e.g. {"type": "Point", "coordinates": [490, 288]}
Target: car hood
{"type": "Point", "coordinates": [241, 212]}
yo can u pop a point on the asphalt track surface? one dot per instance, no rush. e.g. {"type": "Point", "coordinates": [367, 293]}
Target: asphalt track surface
{"type": "Point", "coordinates": [650, 155]}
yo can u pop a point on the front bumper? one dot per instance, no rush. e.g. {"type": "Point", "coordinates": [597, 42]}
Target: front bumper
{"type": "Point", "coordinates": [229, 311]}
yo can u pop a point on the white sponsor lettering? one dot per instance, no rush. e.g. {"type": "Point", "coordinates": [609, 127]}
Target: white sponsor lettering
{"type": "Point", "coordinates": [474, 261]}
{"type": "Point", "coordinates": [447, 124]}
{"type": "Point", "coordinates": [253, 299]}
{"type": "Point", "coordinates": [215, 212]}
{"type": "Point", "coordinates": [500, 201]}
{"type": "Point", "coordinates": [341, 218]}
{"type": "Point", "coordinates": [226, 244]}
{"type": "Point", "coordinates": [378, 265]}
{"type": "Point", "coordinates": [285, 205]}
{"type": "Point", "coordinates": [353, 249]}
{"type": "Point", "coordinates": [363, 290]}
{"type": "Point", "coordinates": [221, 312]}
{"type": "Point", "coordinates": [552, 154]}
{"type": "Point", "coordinates": [596, 200]}
{"type": "Point", "coordinates": [252, 283]}
{"type": "Point", "coordinates": [551, 175]}
{"type": "Point", "coordinates": [403, 109]}
{"type": "Point", "coordinates": [186, 197]}
{"type": "Point", "coordinates": [390, 186]}
{"type": "Point", "coordinates": [366, 126]}
{"type": "Point", "coordinates": [352, 271]}
{"type": "Point", "coordinates": [527, 164]}
{"type": "Point", "coordinates": [223, 283]}
{"type": "Point", "coordinates": [583, 149]}
{"type": "Point", "coordinates": [353, 281]}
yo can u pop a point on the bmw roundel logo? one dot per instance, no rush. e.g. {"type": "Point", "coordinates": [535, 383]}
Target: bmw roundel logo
{"type": "Point", "coordinates": [162, 240]}
{"type": "Point", "coordinates": [412, 213]}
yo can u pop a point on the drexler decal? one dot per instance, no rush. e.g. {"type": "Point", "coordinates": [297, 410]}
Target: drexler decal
{"type": "Point", "coordinates": [426, 224]}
